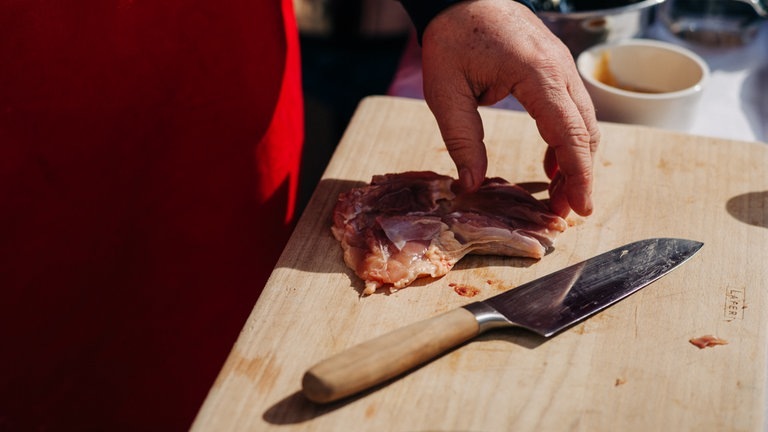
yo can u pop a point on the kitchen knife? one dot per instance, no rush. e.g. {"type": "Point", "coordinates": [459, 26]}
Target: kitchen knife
{"type": "Point", "coordinates": [545, 306]}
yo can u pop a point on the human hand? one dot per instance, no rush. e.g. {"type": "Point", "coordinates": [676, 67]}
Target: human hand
{"type": "Point", "coordinates": [478, 52]}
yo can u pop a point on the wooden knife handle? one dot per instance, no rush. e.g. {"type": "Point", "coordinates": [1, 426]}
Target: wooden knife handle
{"type": "Point", "coordinates": [387, 356]}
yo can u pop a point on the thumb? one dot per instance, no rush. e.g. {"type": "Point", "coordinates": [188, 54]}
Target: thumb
{"type": "Point", "coordinates": [462, 130]}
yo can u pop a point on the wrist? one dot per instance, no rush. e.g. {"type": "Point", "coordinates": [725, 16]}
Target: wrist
{"type": "Point", "coordinates": [422, 12]}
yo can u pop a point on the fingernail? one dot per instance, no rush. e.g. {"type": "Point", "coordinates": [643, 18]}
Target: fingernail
{"type": "Point", "coordinates": [588, 207]}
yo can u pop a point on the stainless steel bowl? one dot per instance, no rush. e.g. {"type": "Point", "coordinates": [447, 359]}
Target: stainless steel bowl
{"type": "Point", "coordinates": [581, 29]}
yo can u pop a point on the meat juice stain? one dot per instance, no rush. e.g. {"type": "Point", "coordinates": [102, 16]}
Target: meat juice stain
{"type": "Point", "coordinates": [499, 285]}
{"type": "Point", "coordinates": [464, 290]}
{"type": "Point", "coordinates": [262, 371]}
{"type": "Point", "coordinates": [370, 411]}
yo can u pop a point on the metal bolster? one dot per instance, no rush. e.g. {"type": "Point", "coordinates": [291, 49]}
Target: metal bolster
{"type": "Point", "coordinates": [487, 317]}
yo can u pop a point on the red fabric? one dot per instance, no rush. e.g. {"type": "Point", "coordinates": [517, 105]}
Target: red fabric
{"type": "Point", "coordinates": [148, 172]}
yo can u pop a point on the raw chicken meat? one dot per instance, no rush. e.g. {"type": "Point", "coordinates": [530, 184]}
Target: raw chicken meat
{"type": "Point", "coordinates": [410, 225]}
{"type": "Point", "coordinates": [707, 341]}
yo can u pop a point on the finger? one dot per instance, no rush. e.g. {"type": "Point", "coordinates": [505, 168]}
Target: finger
{"type": "Point", "coordinates": [550, 163]}
{"type": "Point", "coordinates": [584, 104]}
{"type": "Point", "coordinates": [461, 128]}
{"type": "Point", "coordinates": [558, 203]}
{"type": "Point", "coordinates": [462, 131]}
{"type": "Point", "coordinates": [562, 126]}
{"type": "Point", "coordinates": [573, 190]}
{"type": "Point", "coordinates": [578, 94]}
{"type": "Point", "coordinates": [577, 183]}
{"type": "Point", "coordinates": [574, 161]}
{"type": "Point", "coordinates": [587, 109]}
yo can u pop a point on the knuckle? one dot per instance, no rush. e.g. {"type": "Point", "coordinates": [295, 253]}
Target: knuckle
{"type": "Point", "coordinates": [460, 143]}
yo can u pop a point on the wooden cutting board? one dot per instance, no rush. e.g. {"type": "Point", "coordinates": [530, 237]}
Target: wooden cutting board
{"type": "Point", "coordinates": [629, 368]}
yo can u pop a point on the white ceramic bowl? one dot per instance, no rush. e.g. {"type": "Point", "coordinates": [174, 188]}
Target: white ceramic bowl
{"type": "Point", "coordinates": [645, 82]}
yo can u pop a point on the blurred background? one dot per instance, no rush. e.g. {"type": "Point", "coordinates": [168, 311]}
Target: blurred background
{"type": "Point", "coordinates": [350, 49]}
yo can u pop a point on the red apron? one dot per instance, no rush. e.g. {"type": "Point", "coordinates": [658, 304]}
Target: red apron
{"type": "Point", "coordinates": [149, 157]}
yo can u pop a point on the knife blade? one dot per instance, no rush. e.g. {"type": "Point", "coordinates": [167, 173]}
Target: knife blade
{"type": "Point", "coordinates": [545, 306]}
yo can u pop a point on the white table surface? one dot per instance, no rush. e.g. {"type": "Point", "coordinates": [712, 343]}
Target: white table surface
{"type": "Point", "coordinates": [734, 104]}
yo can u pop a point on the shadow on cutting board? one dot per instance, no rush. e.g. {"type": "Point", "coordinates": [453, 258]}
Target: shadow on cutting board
{"type": "Point", "coordinates": [296, 408]}
{"type": "Point", "coordinates": [750, 208]}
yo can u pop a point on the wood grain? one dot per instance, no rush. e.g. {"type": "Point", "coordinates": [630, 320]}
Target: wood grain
{"type": "Point", "coordinates": [629, 368]}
